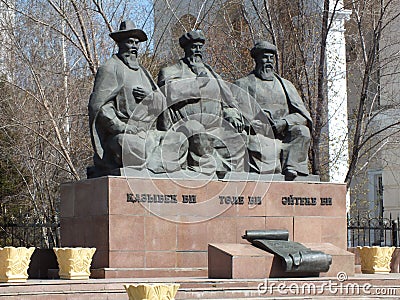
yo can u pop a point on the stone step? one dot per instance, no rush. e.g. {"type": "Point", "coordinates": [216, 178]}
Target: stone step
{"type": "Point", "coordinates": [367, 286]}
{"type": "Point", "coordinates": [139, 272]}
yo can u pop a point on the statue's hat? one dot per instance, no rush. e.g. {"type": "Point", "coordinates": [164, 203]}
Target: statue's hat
{"type": "Point", "coordinates": [126, 30]}
{"type": "Point", "coordinates": [191, 37]}
{"type": "Point", "coordinates": [262, 46]}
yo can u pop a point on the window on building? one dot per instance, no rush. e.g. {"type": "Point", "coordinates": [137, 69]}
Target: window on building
{"type": "Point", "coordinates": [378, 194]}
{"type": "Point", "coordinates": [376, 206]}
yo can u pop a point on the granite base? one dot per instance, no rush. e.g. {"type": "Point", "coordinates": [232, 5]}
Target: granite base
{"type": "Point", "coordinates": [167, 224]}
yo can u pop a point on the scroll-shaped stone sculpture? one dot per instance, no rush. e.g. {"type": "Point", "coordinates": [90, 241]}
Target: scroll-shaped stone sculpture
{"type": "Point", "coordinates": [295, 256]}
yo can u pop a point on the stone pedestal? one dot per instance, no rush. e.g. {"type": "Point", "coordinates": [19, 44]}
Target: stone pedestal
{"type": "Point", "coordinates": [232, 261]}
{"type": "Point", "coordinates": [145, 227]}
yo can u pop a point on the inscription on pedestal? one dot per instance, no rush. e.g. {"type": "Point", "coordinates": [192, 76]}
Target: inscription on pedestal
{"type": "Point", "coordinates": [311, 201]}
{"type": "Point", "coordinates": [151, 198]}
{"type": "Point", "coordinates": [189, 199]}
{"type": "Point", "coordinates": [227, 200]}
{"type": "Point", "coordinates": [223, 200]}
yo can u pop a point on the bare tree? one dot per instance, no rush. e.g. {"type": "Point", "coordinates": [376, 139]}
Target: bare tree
{"type": "Point", "coordinates": [51, 52]}
{"type": "Point", "coordinates": [371, 60]}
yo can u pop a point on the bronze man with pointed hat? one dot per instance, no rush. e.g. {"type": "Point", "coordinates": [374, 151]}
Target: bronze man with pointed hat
{"type": "Point", "coordinates": [125, 112]}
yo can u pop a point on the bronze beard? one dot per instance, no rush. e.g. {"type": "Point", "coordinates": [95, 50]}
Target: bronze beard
{"type": "Point", "coordinates": [264, 71]}
{"type": "Point", "coordinates": [195, 63]}
{"type": "Point", "coordinates": [130, 60]}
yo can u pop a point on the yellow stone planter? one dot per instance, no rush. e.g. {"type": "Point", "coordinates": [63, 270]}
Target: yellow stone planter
{"type": "Point", "coordinates": [74, 263]}
{"type": "Point", "coordinates": [375, 259]}
{"type": "Point", "coordinates": [151, 292]}
{"type": "Point", "coordinates": [14, 263]}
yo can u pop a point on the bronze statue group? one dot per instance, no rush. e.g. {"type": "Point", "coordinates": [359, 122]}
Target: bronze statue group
{"type": "Point", "coordinates": [191, 119]}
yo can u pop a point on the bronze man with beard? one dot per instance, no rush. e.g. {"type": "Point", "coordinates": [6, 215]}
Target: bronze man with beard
{"type": "Point", "coordinates": [124, 114]}
{"type": "Point", "coordinates": [203, 108]}
{"type": "Point", "coordinates": [280, 108]}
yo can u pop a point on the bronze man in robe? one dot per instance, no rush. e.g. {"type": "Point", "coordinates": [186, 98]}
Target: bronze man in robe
{"type": "Point", "coordinates": [281, 110]}
{"type": "Point", "coordinates": [126, 113]}
{"type": "Point", "coordinates": [203, 108]}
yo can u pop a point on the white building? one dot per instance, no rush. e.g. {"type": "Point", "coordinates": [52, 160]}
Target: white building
{"type": "Point", "coordinates": [375, 190]}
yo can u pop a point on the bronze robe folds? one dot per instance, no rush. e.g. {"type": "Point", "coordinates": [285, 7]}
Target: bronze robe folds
{"type": "Point", "coordinates": [199, 106]}
{"type": "Point", "coordinates": [258, 101]}
{"type": "Point", "coordinates": [112, 107]}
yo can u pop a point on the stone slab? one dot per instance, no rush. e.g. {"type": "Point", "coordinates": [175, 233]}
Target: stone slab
{"type": "Point", "coordinates": [147, 272]}
{"type": "Point", "coordinates": [133, 222]}
{"type": "Point", "coordinates": [235, 261]}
